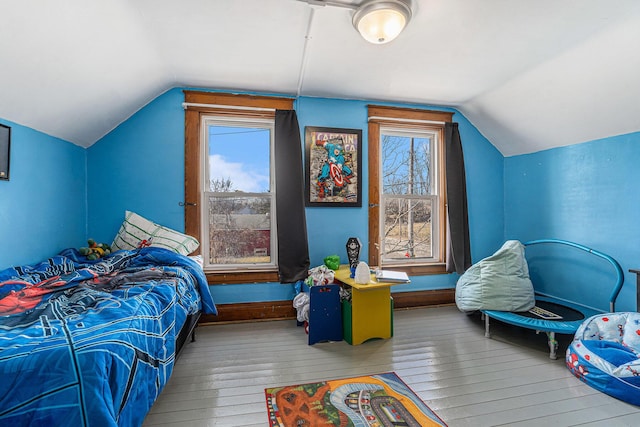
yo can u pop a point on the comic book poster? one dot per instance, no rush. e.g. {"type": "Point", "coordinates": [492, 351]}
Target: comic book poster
{"type": "Point", "coordinates": [333, 158]}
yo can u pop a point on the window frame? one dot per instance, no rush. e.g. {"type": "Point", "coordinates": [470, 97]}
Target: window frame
{"type": "Point", "coordinates": [247, 123]}
{"type": "Point", "coordinates": [197, 106]}
{"type": "Point", "coordinates": [433, 197]}
{"type": "Point", "coordinates": [404, 119]}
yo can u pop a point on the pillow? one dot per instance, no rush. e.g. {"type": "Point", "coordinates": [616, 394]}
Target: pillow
{"type": "Point", "coordinates": [136, 232]}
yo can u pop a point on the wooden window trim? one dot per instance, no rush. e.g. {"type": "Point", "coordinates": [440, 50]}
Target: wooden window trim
{"type": "Point", "coordinates": [408, 114]}
{"type": "Point", "coordinates": [407, 118]}
{"type": "Point", "coordinates": [198, 105]}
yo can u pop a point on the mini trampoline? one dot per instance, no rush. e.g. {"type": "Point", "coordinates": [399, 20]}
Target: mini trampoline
{"type": "Point", "coordinates": [553, 315]}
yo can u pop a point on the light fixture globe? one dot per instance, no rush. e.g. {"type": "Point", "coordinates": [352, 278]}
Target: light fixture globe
{"type": "Point", "coordinates": [380, 21]}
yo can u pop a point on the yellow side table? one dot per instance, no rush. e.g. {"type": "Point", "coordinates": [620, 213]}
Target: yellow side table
{"type": "Point", "coordinates": [370, 308]}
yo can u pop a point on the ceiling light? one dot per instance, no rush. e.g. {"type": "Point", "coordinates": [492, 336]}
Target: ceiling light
{"type": "Point", "coordinates": [380, 21]}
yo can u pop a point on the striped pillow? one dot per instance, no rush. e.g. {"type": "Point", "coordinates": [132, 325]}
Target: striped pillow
{"type": "Point", "coordinates": [136, 232]}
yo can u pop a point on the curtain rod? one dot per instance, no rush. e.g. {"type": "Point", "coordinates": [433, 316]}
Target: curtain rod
{"type": "Point", "coordinates": [226, 107]}
{"type": "Point", "coordinates": [394, 119]}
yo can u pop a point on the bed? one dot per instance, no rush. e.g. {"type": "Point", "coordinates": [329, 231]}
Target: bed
{"type": "Point", "coordinates": [561, 307]}
{"type": "Point", "coordinates": [92, 343]}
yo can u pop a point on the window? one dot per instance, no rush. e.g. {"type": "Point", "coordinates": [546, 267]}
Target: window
{"type": "Point", "coordinates": [229, 184]}
{"type": "Point", "coordinates": [409, 199]}
{"type": "Point", "coordinates": [407, 224]}
{"type": "Point", "coordinates": [239, 214]}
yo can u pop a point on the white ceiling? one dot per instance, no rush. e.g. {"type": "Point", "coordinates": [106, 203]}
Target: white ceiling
{"type": "Point", "coordinates": [529, 74]}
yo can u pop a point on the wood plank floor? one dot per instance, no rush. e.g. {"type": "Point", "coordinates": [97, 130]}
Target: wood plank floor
{"type": "Point", "coordinates": [441, 353]}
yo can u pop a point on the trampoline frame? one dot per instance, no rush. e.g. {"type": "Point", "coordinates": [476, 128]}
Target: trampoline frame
{"type": "Point", "coordinates": [551, 327]}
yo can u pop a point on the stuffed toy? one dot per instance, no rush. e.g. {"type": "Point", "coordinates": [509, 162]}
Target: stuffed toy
{"type": "Point", "coordinates": [95, 250]}
{"type": "Point", "coordinates": [332, 261]}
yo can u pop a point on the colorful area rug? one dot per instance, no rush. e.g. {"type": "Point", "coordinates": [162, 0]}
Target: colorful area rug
{"type": "Point", "coordinates": [378, 400]}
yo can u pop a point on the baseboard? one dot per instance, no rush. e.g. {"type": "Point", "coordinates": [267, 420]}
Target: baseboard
{"type": "Point", "coordinates": [276, 310]}
{"type": "Point", "coordinates": [251, 312]}
{"type": "Point", "coordinates": [424, 298]}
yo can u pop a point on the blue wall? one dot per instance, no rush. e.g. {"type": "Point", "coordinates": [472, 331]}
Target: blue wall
{"type": "Point", "coordinates": [586, 193]}
{"type": "Point", "coordinates": [43, 206]}
{"type": "Point", "coordinates": [139, 166]}
{"type": "Point", "coordinates": [144, 161]}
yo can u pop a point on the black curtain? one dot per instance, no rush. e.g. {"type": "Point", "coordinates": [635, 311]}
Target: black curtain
{"type": "Point", "coordinates": [458, 248]}
{"type": "Point", "coordinates": [293, 248]}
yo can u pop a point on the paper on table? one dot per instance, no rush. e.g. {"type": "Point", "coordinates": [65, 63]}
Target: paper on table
{"type": "Point", "coordinates": [392, 276]}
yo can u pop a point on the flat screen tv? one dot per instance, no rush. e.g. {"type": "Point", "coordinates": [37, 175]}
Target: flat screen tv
{"type": "Point", "coordinates": [5, 149]}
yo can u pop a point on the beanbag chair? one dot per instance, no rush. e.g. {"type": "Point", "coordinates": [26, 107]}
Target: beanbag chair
{"type": "Point", "coordinates": [604, 354]}
{"type": "Point", "coordinates": [499, 282]}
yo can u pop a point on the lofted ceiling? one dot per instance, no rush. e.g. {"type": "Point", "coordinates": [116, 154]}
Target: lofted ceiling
{"type": "Point", "coordinates": [530, 75]}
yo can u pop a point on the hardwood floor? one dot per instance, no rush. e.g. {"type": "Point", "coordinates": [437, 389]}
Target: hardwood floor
{"type": "Point", "coordinates": [441, 353]}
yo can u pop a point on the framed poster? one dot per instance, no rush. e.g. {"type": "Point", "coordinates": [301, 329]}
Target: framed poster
{"type": "Point", "coordinates": [5, 150]}
{"type": "Point", "coordinates": [333, 172]}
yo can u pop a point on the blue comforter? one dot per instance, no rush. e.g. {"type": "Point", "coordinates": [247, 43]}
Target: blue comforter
{"type": "Point", "coordinates": [92, 343]}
